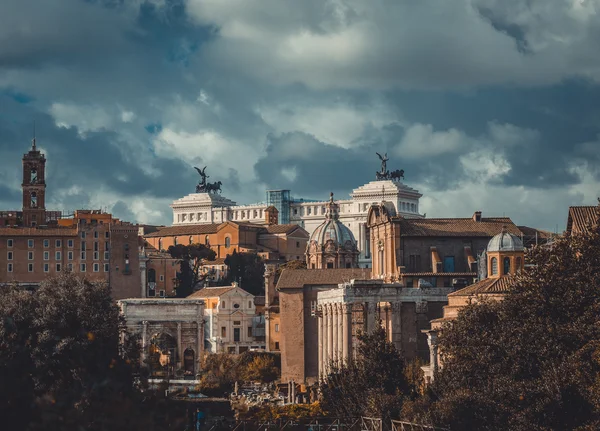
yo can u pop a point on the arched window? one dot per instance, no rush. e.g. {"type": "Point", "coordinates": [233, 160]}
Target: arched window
{"type": "Point", "coordinates": [175, 241]}
{"type": "Point", "coordinates": [34, 200]}
{"type": "Point", "coordinates": [160, 247]}
{"type": "Point", "coordinates": [227, 242]}
{"type": "Point", "coordinates": [494, 266]}
{"type": "Point", "coordinates": [518, 264]}
{"type": "Point", "coordinates": [207, 241]}
{"type": "Point", "coordinates": [191, 239]}
{"type": "Point", "coordinates": [506, 269]}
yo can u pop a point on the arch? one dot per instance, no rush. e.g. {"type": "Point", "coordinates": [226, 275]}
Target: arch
{"type": "Point", "coordinates": [207, 241]}
{"type": "Point", "coordinates": [188, 360]}
{"type": "Point", "coordinates": [494, 266]}
{"type": "Point", "coordinates": [227, 241]}
{"type": "Point", "coordinates": [162, 355]}
{"type": "Point", "coordinates": [506, 265]}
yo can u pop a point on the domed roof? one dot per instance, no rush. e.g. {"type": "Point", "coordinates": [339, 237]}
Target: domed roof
{"type": "Point", "coordinates": [505, 241]}
{"type": "Point", "coordinates": [332, 228]}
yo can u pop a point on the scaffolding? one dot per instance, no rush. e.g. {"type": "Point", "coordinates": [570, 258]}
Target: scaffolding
{"type": "Point", "coordinates": [281, 200]}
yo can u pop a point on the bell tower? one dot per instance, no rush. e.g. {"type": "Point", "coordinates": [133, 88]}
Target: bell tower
{"type": "Point", "coordinates": [34, 187]}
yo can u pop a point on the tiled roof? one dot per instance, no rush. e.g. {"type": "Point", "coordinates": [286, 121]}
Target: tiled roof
{"type": "Point", "coordinates": [487, 285]}
{"type": "Point", "coordinates": [439, 274]}
{"type": "Point", "coordinates": [37, 232]}
{"type": "Point", "coordinates": [487, 227]}
{"type": "Point", "coordinates": [281, 228]}
{"type": "Point", "coordinates": [532, 236]}
{"type": "Point", "coordinates": [193, 229]}
{"type": "Point", "coordinates": [298, 278]}
{"type": "Point", "coordinates": [581, 217]}
{"type": "Point", "coordinates": [210, 292]}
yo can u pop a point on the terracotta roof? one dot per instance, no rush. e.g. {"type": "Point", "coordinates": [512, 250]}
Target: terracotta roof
{"type": "Point", "coordinates": [281, 228]}
{"type": "Point", "coordinates": [298, 278]}
{"type": "Point", "coordinates": [439, 274]}
{"type": "Point", "coordinates": [37, 232]}
{"type": "Point", "coordinates": [581, 218]}
{"type": "Point", "coordinates": [487, 227]}
{"type": "Point", "coordinates": [210, 292]}
{"type": "Point", "coordinates": [487, 285]}
{"type": "Point", "coordinates": [193, 229]}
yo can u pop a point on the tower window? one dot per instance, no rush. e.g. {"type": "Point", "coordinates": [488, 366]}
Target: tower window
{"type": "Point", "coordinates": [9, 255]}
{"type": "Point", "coordinates": [58, 243]}
{"type": "Point", "coordinates": [30, 255]}
{"type": "Point", "coordinates": [30, 243]}
{"type": "Point", "coordinates": [9, 242]}
{"type": "Point", "coordinates": [46, 243]}
{"type": "Point", "coordinates": [70, 243]}
{"type": "Point", "coordinates": [506, 269]}
{"type": "Point", "coordinates": [34, 200]}
{"type": "Point", "coordinates": [9, 267]}
{"type": "Point", "coordinates": [494, 266]}
{"type": "Point", "coordinates": [33, 176]}
{"type": "Point", "coordinates": [30, 267]}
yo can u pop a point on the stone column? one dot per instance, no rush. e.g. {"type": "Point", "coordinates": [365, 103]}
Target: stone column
{"type": "Point", "coordinates": [341, 333]}
{"type": "Point", "coordinates": [179, 355]}
{"type": "Point", "coordinates": [329, 357]}
{"type": "Point", "coordinates": [199, 344]}
{"type": "Point", "coordinates": [143, 276]}
{"type": "Point", "coordinates": [144, 340]}
{"type": "Point", "coordinates": [267, 331]}
{"type": "Point", "coordinates": [346, 331]}
{"type": "Point", "coordinates": [320, 338]}
{"type": "Point", "coordinates": [397, 325]}
{"type": "Point", "coordinates": [433, 351]}
{"type": "Point", "coordinates": [336, 322]}
{"type": "Point", "coordinates": [370, 318]}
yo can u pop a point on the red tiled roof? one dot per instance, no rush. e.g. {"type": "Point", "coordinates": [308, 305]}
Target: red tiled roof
{"type": "Point", "coordinates": [439, 274]}
{"type": "Point", "coordinates": [581, 218]}
{"type": "Point", "coordinates": [37, 232]}
{"type": "Point", "coordinates": [487, 285]}
{"type": "Point", "coordinates": [210, 292]}
{"type": "Point", "coordinates": [298, 278]}
{"type": "Point", "coordinates": [193, 229]}
{"type": "Point", "coordinates": [281, 228]}
{"type": "Point", "coordinates": [467, 227]}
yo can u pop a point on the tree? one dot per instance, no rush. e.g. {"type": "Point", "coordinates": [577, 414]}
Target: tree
{"type": "Point", "coordinates": [373, 384]}
{"type": "Point", "coordinates": [248, 269]}
{"type": "Point", "coordinates": [191, 258]}
{"type": "Point", "coordinates": [62, 366]}
{"type": "Point", "coordinates": [531, 361]}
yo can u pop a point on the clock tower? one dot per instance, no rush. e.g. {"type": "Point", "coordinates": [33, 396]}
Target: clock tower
{"type": "Point", "coordinates": [34, 187]}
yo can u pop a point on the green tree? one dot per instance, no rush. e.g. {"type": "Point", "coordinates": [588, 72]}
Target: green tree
{"type": "Point", "coordinates": [373, 384]}
{"type": "Point", "coordinates": [191, 258]}
{"type": "Point", "coordinates": [62, 366]}
{"type": "Point", "coordinates": [531, 361]}
{"type": "Point", "coordinates": [248, 269]}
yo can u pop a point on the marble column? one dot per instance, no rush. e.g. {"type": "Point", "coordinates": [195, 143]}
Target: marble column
{"type": "Point", "coordinates": [329, 357]}
{"type": "Point", "coordinates": [432, 341]}
{"type": "Point", "coordinates": [336, 341]}
{"type": "Point", "coordinates": [199, 344]}
{"type": "Point", "coordinates": [179, 355]}
{"type": "Point", "coordinates": [396, 309]}
{"type": "Point", "coordinates": [340, 329]}
{"type": "Point", "coordinates": [320, 338]}
{"type": "Point", "coordinates": [144, 340]}
{"type": "Point", "coordinates": [346, 331]}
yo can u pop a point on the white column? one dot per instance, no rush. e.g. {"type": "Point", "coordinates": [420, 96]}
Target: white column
{"type": "Point", "coordinates": [199, 344]}
{"type": "Point", "coordinates": [329, 336]}
{"type": "Point", "coordinates": [144, 340]}
{"type": "Point", "coordinates": [336, 323]}
{"type": "Point", "coordinates": [320, 338]}
{"type": "Point", "coordinates": [340, 329]}
{"type": "Point", "coordinates": [143, 277]}
{"type": "Point", "coordinates": [346, 331]}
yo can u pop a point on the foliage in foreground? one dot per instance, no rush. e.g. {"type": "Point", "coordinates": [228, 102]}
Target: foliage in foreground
{"type": "Point", "coordinates": [531, 361]}
{"type": "Point", "coordinates": [61, 365]}
{"type": "Point", "coordinates": [374, 384]}
{"type": "Point", "coordinates": [248, 269]}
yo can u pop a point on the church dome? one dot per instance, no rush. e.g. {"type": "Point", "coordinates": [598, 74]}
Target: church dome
{"type": "Point", "coordinates": [505, 241]}
{"type": "Point", "coordinates": [332, 232]}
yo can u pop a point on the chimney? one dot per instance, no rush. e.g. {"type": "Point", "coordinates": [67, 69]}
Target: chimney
{"type": "Point", "coordinates": [477, 216]}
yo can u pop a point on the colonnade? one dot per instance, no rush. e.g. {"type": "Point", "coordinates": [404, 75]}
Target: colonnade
{"type": "Point", "coordinates": [335, 328]}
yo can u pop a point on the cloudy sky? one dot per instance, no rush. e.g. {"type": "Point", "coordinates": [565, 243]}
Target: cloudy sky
{"type": "Point", "coordinates": [489, 105]}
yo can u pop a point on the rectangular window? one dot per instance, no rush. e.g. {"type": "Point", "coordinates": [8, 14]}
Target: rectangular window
{"type": "Point", "coordinates": [46, 267]}
{"type": "Point", "coordinates": [30, 267]}
{"type": "Point", "coordinates": [237, 322]}
{"type": "Point", "coordinates": [9, 255]}
{"type": "Point", "coordinates": [9, 267]}
{"type": "Point", "coordinates": [106, 255]}
{"type": "Point", "coordinates": [223, 332]}
{"type": "Point", "coordinates": [46, 255]}
{"type": "Point", "coordinates": [82, 267]}
{"type": "Point", "coordinates": [70, 255]}
{"type": "Point", "coordinates": [95, 234]}
{"type": "Point", "coordinates": [106, 267]}
{"type": "Point", "coordinates": [58, 243]}
{"type": "Point", "coordinates": [82, 245]}
{"type": "Point", "coordinates": [82, 234]}
{"type": "Point", "coordinates": [70, 266]}
{"type": "Point", "coordinates": [297, 244]}
{"type": "Point", "coordinates": [96, 267]}
{"type": "Point", "coordinates": [105, 246]}
{"type": "Point", "coordinates": [57, 255]}
{"type": "Point", "coordinates": [96, 255]}
{"type": "Point", "coordinates": [30, 243]}
{"type": "Point", "coordinates": [96, 246]}
{"type": "Point", "coordinates": [276, 345]}
{"type": "Point", "coordinates": [30, 255]}
{"type": "Point", "coordinates": [161, 277]}
{"type": "Point", "coordinates": [70, 243]}
{"type": "Point", "coordinates": [249, 331]}
{"type": "Point", "coordinates": [106, 234]}
{"type": "Point", "coordinates": [58, 267]}
{"type": "Point", "coordinates": [161, 293]}
{"type": "Point", "coordinates": [46, 243]}
{"type": "Point", "coordinates": [277, 327]}
{"type": "Point", "coordinates": [236, 334]}
{"type": "Point", "coordinates": [9, 242]}
{"type": "Point", "coordinates": [82, 256]}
